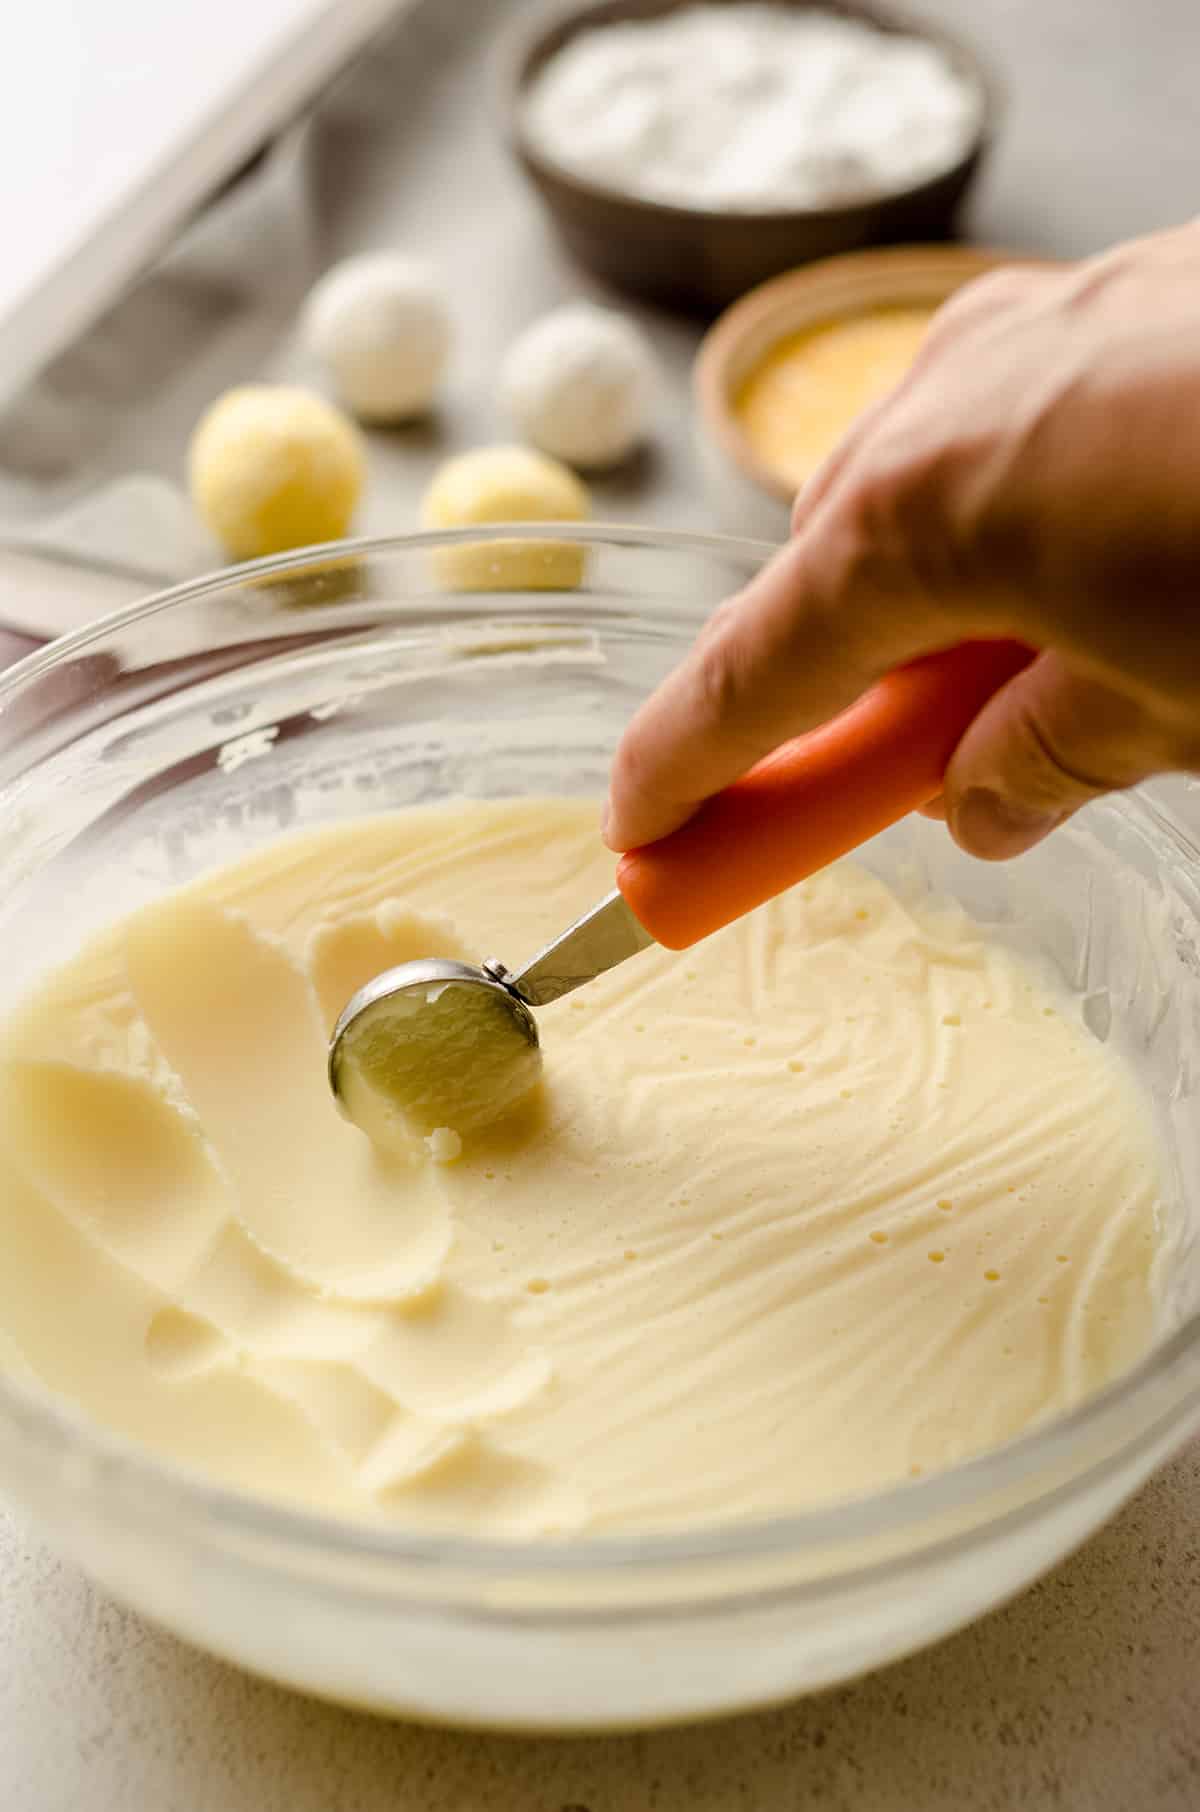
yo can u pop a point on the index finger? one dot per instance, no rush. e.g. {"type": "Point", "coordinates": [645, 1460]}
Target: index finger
{"type": "Point", "coordinates": [805, 638]}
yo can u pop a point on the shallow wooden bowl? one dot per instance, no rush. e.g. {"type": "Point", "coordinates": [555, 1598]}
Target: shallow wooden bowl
{"type": "Point", "coordinates": [748, 496]}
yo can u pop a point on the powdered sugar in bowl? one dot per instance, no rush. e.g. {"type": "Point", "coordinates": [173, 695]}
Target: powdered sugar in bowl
{"type": "Point", "coordinates": [688, 151]}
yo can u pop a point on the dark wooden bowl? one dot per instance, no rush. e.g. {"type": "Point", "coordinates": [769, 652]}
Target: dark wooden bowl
{"type": "Point", "coordinates": [702, 260]}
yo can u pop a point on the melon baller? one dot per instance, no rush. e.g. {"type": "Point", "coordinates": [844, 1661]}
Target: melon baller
{"type": "Point", "coordinates": [436, 1043]}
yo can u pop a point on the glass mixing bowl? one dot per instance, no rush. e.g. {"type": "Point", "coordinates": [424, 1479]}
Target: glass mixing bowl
{"type": "Point", "coordinates": [334, 682]}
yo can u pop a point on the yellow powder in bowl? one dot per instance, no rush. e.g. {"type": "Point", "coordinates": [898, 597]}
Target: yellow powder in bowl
{"type": "Point", "coordinates": [800, 398]}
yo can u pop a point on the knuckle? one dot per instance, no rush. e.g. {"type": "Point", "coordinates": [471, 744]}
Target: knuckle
{"type": "Point", "coordinates": [636, 771]}
{"type": "Point", "coordinates": [802, 503]}
{"type": "Point", "coordinates": [1092, 750]}
{"type": "Point", "coordinates": [718, 678]}
{"type": "Point", "coordinates": [720, 620]}
{"type": "Point", "coordinates": [1041, 768]}
{"type": "Point", "coordinates": [992, 293]}
{"type": "Point", "coordinates": [877, 510]}
{"type": "Point", "coordinates": [958, 311]}
{"type": "Point", "coordinates": [827, 481]}
{"type": "Point", "coordinates": [838, 468]}
{"type": "Point", "coordinates": [898, 551]}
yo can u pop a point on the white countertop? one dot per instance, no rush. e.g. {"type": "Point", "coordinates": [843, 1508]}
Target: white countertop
{"type": "Point", "coordinates": [1083, 1696]}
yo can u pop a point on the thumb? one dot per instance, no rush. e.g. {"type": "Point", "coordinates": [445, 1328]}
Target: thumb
{"type": "Point", "coordinates": [1046, 743]}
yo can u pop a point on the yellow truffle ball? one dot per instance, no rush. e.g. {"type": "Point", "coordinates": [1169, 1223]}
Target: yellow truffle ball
{"type": "Point", "coordinates": [506, 484]}
{"type": "Point", "coordinates": [273, 467]}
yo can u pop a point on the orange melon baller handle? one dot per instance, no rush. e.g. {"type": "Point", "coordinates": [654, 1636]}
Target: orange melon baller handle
{"type": "Point", "coordinates": [816, 797]}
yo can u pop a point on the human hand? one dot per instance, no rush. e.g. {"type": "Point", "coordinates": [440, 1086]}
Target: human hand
{"type": "Point", "coordinates": [1037, 476]}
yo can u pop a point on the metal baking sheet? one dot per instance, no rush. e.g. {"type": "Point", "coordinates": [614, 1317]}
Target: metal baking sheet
{"type": "Point", "coordinates": [124, 119]}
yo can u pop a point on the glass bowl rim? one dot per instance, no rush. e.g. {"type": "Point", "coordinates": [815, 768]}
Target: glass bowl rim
{"type": "Point", "coordinates": [221, 1511]}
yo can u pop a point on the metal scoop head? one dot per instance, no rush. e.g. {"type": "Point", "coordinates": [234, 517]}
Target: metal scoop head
{"type": "Point", "coordinates": [438, 1044]}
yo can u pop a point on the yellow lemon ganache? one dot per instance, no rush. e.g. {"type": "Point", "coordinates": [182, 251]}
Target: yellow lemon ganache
{"type": "Point", "coordinates": [847, 1198]}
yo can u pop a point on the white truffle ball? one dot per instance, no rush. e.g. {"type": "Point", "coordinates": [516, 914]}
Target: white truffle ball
{"type": "Point", "coordinates": [581, 384]}
{"type": "Point", "coordinates": [380, 324]}
{"type": "Point", "coordinates": [271, 467]}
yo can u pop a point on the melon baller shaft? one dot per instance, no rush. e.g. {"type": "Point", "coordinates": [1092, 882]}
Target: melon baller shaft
{"type": "Point", "coordinates": [810, 802]}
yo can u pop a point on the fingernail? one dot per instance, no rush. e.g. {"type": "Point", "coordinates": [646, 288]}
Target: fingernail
{"type": "Point", "coordinates": [605, 815]}
{"type": "Point", "coordinates": [993, 826]}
